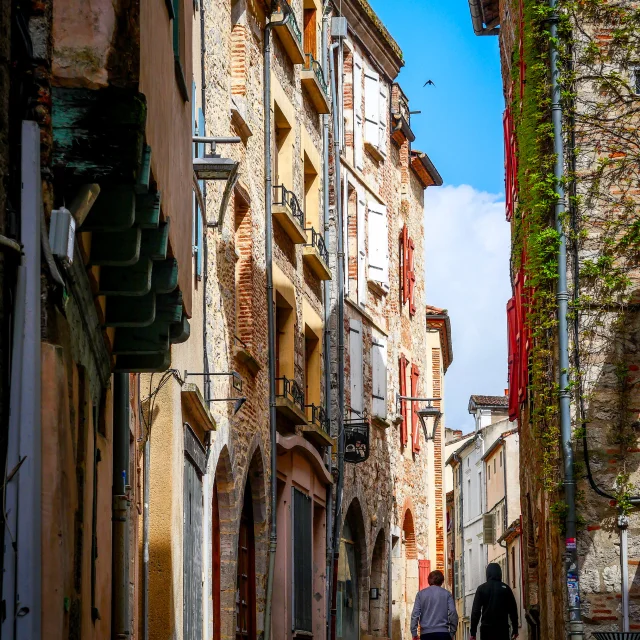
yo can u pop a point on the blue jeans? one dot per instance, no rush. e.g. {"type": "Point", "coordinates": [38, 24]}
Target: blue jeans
{"type": "Point", "coordinates": [436, 636]}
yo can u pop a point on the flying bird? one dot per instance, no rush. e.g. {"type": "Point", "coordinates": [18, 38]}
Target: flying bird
{"type": "Point", "coordinates": [431, 82]}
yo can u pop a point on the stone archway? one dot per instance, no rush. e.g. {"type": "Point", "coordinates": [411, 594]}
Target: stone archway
{"type": "Point", "coordinates": [379, 580]}
{"type": "Point", "coordinates": [251, 549]}
{"type": "Point", "coordinates": [353, 576]}
{"type": "Point", "coordinates": [223, 506]}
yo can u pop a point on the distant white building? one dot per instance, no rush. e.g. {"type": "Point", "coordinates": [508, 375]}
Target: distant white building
{"type": "Point", "coordinates": [470, 499]}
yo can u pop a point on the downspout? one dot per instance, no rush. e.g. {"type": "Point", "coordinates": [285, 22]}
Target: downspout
{"type": "Point", "coordinates": [22, 567]}
{"type": "Point", "coordinates": [462, 576]}
{"type": "Point", "coordinates": [506, 500]}
{"type": "Point", "coordinates": [327, 319]}
{"type": "Point", "coordinates": [340, 364]}
{"type": "Point", "coordinates": [271, 330]}
{"type": "Point", "coordinates": [145, 536]}
{"type": "Point", "coordinates": [121, 506]}
{"type": "Point", "coordinates": [562, 297]}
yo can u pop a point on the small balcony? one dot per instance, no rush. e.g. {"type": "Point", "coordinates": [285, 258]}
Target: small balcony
{"type": "Point", "coordinates": [287, 211]}
{"type": "Point", "coordinates": [313, 81]}
{"type": "Point", "coordinates": [289, 32]}
{"type": "Point", "coordinates": [316, 255]}
{"type": "Point", "coordinates": [290, 401]}
{"type": "Point", "coordinates": [317, 429]}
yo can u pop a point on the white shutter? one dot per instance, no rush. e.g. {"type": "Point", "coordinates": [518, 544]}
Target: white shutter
{"type": "Point", "coordinates": [371, 107]}
{"type": "Point", "coordinates": [362, 251]}
{"type": "Point", "coordinates": [383, 114]}
{"type": "Point", "coordinates": [355, 361]}
{"type": "Point", "coordinates": [379, 366]}
{"type": "Point", "coordinates": [358, 120]}
{"type": "Point", "coordinates": [378, 243]}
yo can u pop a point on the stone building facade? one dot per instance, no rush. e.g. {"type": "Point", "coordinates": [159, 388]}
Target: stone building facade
{"type": "Point", "coordinates": [389, 504]}
{"type": "Point", "coordinates": [603, 390]}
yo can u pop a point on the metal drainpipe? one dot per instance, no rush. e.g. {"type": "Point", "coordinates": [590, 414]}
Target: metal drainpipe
{"type": "Point", "coordinates": [505, 519]}
{"type": "Point", "coordinates": [271, 321]}
{"type": "Point", "coordinates": [327, 316]}
{"type": "Point", "coordinates": [121, 506]}
{"type": "Point", "coordinates": [340, 367]}
{"type": "Point", "coordinates": [562, 297]}
{"type": "Point", "coordinates": [461, 564]}
{"type": "Point", "coordinates": [145, 537]}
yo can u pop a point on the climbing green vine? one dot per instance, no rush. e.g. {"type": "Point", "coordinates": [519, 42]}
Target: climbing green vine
{"type": "Point", "coordinates": [599, 45]}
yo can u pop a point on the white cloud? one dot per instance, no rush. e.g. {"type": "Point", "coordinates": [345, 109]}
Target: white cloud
{"type": "Point", "coordinates": [467, 272]}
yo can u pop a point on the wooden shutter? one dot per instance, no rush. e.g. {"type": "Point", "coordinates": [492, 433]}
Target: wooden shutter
{"type": "Point", "coordinates": [192, 544]}
{"type": "Point", "coordinates": [403, 403]}
{"type": "Point", "coordinates": [362, 251]}
{"type": "Point", "coordinates": [415, 422]}
{"type": "Point", "coordinates": [378, 243]}
{"type": "Point", "coordinates": [424, 569]}
{"type": "Point", "coordinates": [356, 372]}
{"type": "Point", "coordinates": [512, 359]}
{"type": "Point", "coordinates": [404, 255]}
{"type": "Point", "coordinates": [411, 278]}
{"type": "Point", "coordinates": [310, 32]}
{"type": "Point", "coordinates": [371, 107]}
{"type": "Point", "coordinates": [456, 579]}
{"type": "Point", "coordinates": [510, 163]}
{"type": "Point", "coordinates": [379, 386]}
{"type": "Point", "coordinates": [358, 124]}
{"type": "Point", "coordinates": [199, 251]}
{"type": "Point", "coordinates": [383, 114]}
{"type": "Point", "coordinates": [302, 586]}
{"type": "Point", "coordinates": [488, 528]}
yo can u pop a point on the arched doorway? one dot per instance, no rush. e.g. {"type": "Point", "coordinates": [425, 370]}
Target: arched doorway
{"type": "Point", "coordinates": [410, 570]}
{"type": "Point", "coordinates": [246, 571]}
{"type": "Point", "coordinates": [378, 620]}
{"type": "Point", "coordinates": [351, 573]}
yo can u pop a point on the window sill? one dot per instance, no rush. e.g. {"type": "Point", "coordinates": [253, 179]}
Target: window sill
{"type": "Point", "coordinates": [378, 287]}
{"type": "Point", "coordinates": [377, 154]}
{"type": "Point", "coordinates": [382, 423]}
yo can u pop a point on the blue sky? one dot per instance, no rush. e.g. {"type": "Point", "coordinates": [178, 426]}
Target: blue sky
{"type": "Point", "coordinates": [466, 235]}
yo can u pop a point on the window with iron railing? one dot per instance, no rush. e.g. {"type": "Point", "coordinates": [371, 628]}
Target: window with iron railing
{"type": "Point", "coordinates": [282, 196]}
{"type": "Point", "coordinates": [311, 64]}
{"type": "Point", "coordinates": [317, 241]}
{"type": "Point", "coordinates": [291, 390]}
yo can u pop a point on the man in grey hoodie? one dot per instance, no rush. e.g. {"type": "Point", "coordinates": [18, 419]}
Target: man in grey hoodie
{"type": "Point", "coordinates": [435, 611]}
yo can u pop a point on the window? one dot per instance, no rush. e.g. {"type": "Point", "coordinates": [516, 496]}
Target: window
{"type": "Point", "coordinates": [358, 117]}
{"type": "Point", "coordinates": [513, 568]}
{"type": "Point", "coordinates": [494, 465]}
{"type": "Point", "coordinates": [379, 375]}
{"type": "Point", "coordinates": [408, 274]}
{"type": "Point", "coordinates": [479, 492]}
{"type": "Point", "coordinates": [246, 574]}
{"type": "Point", "coordinates": [489, 472]}
{"type": "Point", "coordinates": [378, 244]}
{"type": "Point", "coordinates": [635, 80]}
{"type": "Point", "coordinates": [311, 201]}
{"type": "Point", "coordinates": [283, 156]}
{"type": "Point", "coordinates": [356, 365]}
{"type": "Point", "coordinates": [500, 458]}
{"type": "Point", "coordinates": [468, 499]}
{"type": "Point", "coordinates": [285, 337]}
{"type": "Point", "coordinates": [311, 366]}
{"type": "Point", "coordinates": [179, 47]}
{"type": "Point", "coordinates": [302, 562]}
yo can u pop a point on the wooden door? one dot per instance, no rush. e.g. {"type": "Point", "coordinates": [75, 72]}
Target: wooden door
{"type": "Point", "coordinates": [246, 574]}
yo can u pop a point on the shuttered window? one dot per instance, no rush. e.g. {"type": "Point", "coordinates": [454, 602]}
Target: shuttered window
{"type": "Point", "coordinates": [302, 562]}
{"type": "Point", "coordinates": [403, 403]}
{"type": "Point", "coordinates": [371, 107]}
{"type": "Point", "coordinates": [379, 387]}
{"type": "Point", "coordinates": [355, 358]}
{"type": "Point", "coordinates": [358, 126]}
{"type": "Point", "coordinates": [415, 422]}
{"type": "Point", "coordinates": [378, 244]}
{"type": "Point", "coordinates": [424, 569]}
{"type": "Point", "coordinates": [383, 114]}
{"type": "Point", "coordinates": [362, 251]}
{"type": "Point", "coordinates": [456, 579]}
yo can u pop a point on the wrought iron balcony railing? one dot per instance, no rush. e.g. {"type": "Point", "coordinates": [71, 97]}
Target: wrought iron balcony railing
{"type": "Point", "coordinates": [290, 390]}
{"type": "Point", "coordinates": [318, 242]}
{"type": "Point", "coordinates": [282, 6]}
{"type": "Point", "coordinates": [284, 197]}
{"type": "Point", "coordinates": [311, 64]}
{"type": "Point", "coordinates": [318, 417]}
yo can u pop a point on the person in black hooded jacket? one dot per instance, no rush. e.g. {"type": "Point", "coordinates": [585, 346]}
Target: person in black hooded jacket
{"type": "Point", "coordinates": [493, 606]}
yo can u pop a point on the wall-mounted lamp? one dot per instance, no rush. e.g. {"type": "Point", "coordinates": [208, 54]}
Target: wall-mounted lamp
{"type": "Point", "coordinates": [424, 413]}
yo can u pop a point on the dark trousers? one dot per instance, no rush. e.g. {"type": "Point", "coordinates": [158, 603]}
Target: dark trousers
{"type": "Point", "coordinates": [436, 636]}
{"type": "Point", "coordinates": [494, 633]}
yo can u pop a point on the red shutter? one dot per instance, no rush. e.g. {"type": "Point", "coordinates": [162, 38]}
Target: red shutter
{"type": "Point", "coordinates": [403, 403]}
{"type": "Point", "coordinates": [412, 278]}
{"type": "Point", "coordinates": [404, 255]}
{"type": "Point", "coordinates": [415, 431]}
{"type": "Point", "coordinates": [523, 343]}
{"type": "Point", "coordinates": [510, 163]}
{"type": "Point", "coordinates": [513, 359]}
{"type": "Point", "coordinates": [424, 569]}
